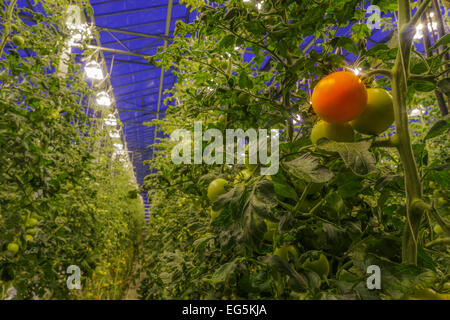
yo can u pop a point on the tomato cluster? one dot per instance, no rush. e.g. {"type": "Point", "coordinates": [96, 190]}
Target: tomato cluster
{"type": "Point", "coordinates": [343, 104]}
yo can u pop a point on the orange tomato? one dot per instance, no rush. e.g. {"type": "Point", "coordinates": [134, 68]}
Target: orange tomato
{"type": "Point", "coordinates": [339, 97]}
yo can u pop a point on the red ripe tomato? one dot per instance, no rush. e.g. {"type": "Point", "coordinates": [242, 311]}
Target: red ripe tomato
{"type": "Point", "coordinates": [339, 97]}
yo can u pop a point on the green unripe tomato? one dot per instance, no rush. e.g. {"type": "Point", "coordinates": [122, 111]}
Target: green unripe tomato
{"type": "Point", "coordinates": [441, 201]}
{"type": "Point", "coordinates": [31, 231]}
{"type": "Point", "coordinates": [216, 188]}
{"type": "Point", "coordinates": [243, 99]}
{"type": "Point", "coordinates": [340, 132]}
{"type": "Point", "coordinates": [395, 140]}
{"type": "Point", "coordinates": [29, 238]}
{"type": "Point", "coordinates": [13, 247]}
{"type": "Point", "coordinates": [438, 229]}
{"type": "Point", "coordinates": [31, 223]}
{"type": "Point", "coordinates": [18, 40]}
{"type": "Point", "coordinates": [378, 115]}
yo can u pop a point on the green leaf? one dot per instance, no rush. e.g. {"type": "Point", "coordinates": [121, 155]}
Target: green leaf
{"type": "Point", "coordinates": [444, 86]}
{"type": "Point", "coordinates": [443, 41]}
{"type": "Point", "coordinates": [299, 281]}
{"type": "Point", "coordinates": [438, 129]}
{"type": "Point", "coordinates": [285, 190]}
{"type": "Point", "coordinates": [356, 155]}
{"type": "Point", "coordinates": [245, 81]}
{"type": "Point", "coordinates": [424, 85]}
{"type": "Point", "coordinates": [346, 43]}
{"type": "Point", "coordinates": [225, 272]}
{"type": "Point", "coordinates": [308, 168]}
{"type": "Point", "coordinates": [227, 41]}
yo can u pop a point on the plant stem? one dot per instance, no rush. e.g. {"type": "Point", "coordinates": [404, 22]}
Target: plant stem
{"type": "Point", "coordinates": [7, 26]}
{"type": "Point", "coordinates": [406, 29]}
{"type": "Point", "coordinates": [439, 241]}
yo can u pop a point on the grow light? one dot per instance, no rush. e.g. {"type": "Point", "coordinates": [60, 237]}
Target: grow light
{"type": "Point", "coordinates": [76, 23]}
{"type": "Point", "coordinates": [415, 112]}
{"type": "Point", "coordinates": [111, 120]}
{"type": "Point", "coordinates": [419, 29]}
{"type": "Point", "coordinates": [118, 146]}
{"type": "Point", "coordinates": [357, 71]}
{"type": "Point", "coordinates": [80, 33]}
{"type": "Point", "coordinates": [93, 70]}
{"type": "Point", "coordinates": [114, 134]}
{"type": "Point", "coordinates": [103, 99]}
{"type": "Point", "coordinates": [297, 119]}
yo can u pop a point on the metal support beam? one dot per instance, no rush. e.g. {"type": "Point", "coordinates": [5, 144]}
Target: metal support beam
{"type": "Point", "coordinates": [140, 34]}
{"type": "Point", "coordinates": [138, 82]}
{"type": "Point", "coordinates": [132, 73]}
{"type": "Point", "coordinates": [118, 41]}
{"type": "Point", "coordinates": [120, 61]}
{"type": "Point", "coordinates": [110, 14]}
{"type": "Point", "coordinates": [116, 51]}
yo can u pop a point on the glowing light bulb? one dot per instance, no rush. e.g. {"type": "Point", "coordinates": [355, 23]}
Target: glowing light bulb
{"type": "Point", "coordinates": [111, 120]}
{"type": "Point", "coordinates": [419, 32]}
{"type": "Point", "coordinates": [103, 99]}
{"type": "Point", "coordinates": [93, 70]}
{"type": "Point", "coordinates": [297, 119]}
{"type": "Point", "coordinates": [79, 32]}
{"type": "Point", "coordinates": [357, 71]}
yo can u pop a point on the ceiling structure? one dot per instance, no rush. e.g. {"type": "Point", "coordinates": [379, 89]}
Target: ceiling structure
{"type": "Point", "coordinates": [134, 29]}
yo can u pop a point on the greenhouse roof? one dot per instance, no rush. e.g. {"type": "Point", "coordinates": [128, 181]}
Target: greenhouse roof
{"type": "Point", "coordinates": [137, 29]}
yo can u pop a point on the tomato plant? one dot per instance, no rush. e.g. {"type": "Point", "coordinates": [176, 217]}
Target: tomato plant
{"type": "Point", "coordinates": [63, 197]}
{"type": "Point", "coordinates": [343, 205]}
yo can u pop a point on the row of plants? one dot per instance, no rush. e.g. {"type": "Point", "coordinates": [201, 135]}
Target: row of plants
{"type": "Point", "coordinates": [367, 190]}
{"type": "Point", "coordinates": [66, 198]}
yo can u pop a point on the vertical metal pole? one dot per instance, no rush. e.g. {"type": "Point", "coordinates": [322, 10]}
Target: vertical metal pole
{"type": "Point", "coordinates": [168, 18]}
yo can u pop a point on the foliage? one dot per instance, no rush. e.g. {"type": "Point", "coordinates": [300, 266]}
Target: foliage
{"type": "Point", "coordinates": [60, 184]}
{"type": "Point", "coordinates": [343, 200]}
